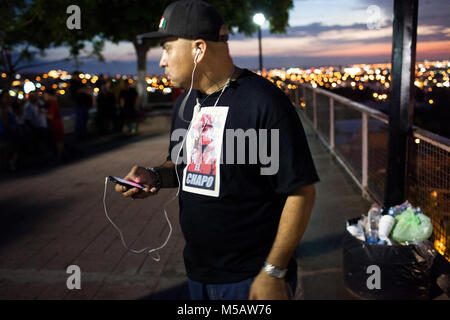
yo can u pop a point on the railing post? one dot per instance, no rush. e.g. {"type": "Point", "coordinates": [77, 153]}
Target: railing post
{"type": "Point", "coordinates": [401, 109]}
{"type": "Point", "coordinates": [315, 108]}
{"type": "Point", "coordinates": [365, 153]}
{"type": "Point", "coordinates": [331, 123]}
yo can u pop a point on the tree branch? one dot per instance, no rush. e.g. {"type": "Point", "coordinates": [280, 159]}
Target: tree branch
{"type": "Point", "coordinates": [4, 63]}
{"type": "Point", "coordinates": [22, 55]}
{"type": "Point", "coordinates": [8, 61]}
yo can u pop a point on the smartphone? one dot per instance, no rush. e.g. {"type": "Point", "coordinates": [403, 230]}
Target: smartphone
{"type": "Point", "coordinates": [125, 183]}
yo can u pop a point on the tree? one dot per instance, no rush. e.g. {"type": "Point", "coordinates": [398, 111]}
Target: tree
{"type": "Point", "coordinates": [275, 11]}
{"type": "Point", "coordinates": [51, 17]}
{"type": "Point", "coordinates": [14, 47]}
{"type": "Point", "coordinates": [41, 24]}
{"type": "Point", "coordinates": [27, 28]}
{"type": "Point", "coordinates": [124, 21]}
{"type": "Point", "coordinates": [118, 20]}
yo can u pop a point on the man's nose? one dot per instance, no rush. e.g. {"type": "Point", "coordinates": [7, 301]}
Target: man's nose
{"type": "Point", "coordinates": [163, 61]}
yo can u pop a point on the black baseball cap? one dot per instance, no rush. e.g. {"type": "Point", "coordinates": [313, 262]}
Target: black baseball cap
{"type": "Point", "coordinates": [190, 19]}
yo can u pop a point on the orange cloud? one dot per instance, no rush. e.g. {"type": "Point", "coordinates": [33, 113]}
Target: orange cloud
{"type": "Point", "coordinates": [362, 49]}
{"type": "Point", "coordinates": [359, 49]}
{"type": "Point", "coordinates": [434, 47]}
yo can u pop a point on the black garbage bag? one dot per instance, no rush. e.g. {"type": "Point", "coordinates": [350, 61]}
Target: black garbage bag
{"type": "Point", "coordinates": [405, 272]}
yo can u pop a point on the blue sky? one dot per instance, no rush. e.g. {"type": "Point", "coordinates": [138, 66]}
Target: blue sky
{"type": "Point", "coordinates": [320, 33]}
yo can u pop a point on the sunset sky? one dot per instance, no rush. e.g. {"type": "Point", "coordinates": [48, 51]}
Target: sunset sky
{"type": "Point", "coordinates": [320, 33]}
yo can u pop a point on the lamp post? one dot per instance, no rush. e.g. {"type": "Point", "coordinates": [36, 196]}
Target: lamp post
{"type": "Point", "coordinates": [259, 20]}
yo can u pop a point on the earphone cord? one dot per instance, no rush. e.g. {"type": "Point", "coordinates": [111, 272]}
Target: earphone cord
{"type": "Point", "coordinates": [183, 103]}
{"type": "Point", "coordinates": [190, 122]}
{"type": "Point", "coordinates": [226, 86]}
{"type": "Point", "coordinates": [157, 256]}
{"type": "Point", "coordinates": [222, 88]}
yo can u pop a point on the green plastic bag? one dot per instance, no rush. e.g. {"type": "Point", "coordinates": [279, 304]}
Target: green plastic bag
{"type": "Point", "coordinates": [411, 227]}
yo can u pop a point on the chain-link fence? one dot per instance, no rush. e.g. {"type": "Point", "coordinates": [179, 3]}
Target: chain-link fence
{"type": "Point", "coordinates": [428, 183]}
{"type": "Point", "coordinates": [358, 136]}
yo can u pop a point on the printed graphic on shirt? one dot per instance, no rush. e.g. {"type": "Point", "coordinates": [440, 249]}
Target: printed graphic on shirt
{"type": "Point", "coordinates": [204, 147]}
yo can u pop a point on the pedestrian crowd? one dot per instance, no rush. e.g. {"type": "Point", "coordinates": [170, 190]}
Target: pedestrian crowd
{"type": "Point", "coordinates": [34, 125]}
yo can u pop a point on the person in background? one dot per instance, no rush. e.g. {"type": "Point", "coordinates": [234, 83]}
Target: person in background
{"type": "Point", "coordinates": [35, 118]}
{"type": "Point", "coordinates": [55, 122]}
{"type": "Point", "coordinates": [129, 102]}
{"type": "Point", "coordinates": [24, 135]}
{"type": "Point", "coordinates": [8, 129]}
{"type": "Point", "coordinates": [106, 108]}
{"type": "Point", "coordinates": [33, 114]}
{"type": "Point", "coordinates": [83, 101]}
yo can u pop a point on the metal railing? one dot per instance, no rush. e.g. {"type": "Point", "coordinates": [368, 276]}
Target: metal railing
{"type": "Point", "coordinates": [358, 137]}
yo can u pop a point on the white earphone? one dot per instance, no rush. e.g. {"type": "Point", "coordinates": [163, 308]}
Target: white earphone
{"type": "Point", "coordinates": [196, 54]}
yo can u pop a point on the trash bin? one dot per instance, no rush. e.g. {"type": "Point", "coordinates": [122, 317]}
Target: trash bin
{"type": "Point", "coordinates": [405, 272]}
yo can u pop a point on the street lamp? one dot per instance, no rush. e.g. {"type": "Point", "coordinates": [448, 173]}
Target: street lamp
{"type": "Point", "coordinates": [259, 20]}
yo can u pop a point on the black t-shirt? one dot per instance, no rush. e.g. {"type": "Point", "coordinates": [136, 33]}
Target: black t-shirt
{"type": "Point", "coordinates": [229, 235]}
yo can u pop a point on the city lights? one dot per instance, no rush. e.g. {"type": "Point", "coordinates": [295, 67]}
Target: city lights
{"type": "Point", "coordinates": [372, 79]}
{"type": "Point", "coordinates": [28, 87]}
{"type": "Point", "coordinates": [440, 245]}
{"type": "Point", "coordinates": [375, 78]}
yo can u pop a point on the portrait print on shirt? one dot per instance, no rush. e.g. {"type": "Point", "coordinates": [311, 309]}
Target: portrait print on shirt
{"type": "Point", "coordinates": [204, 147]}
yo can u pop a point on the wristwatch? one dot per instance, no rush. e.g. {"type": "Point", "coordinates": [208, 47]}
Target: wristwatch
{"type": "Point", "coordinates": [158, 183]}
{"type": "Point", "coordinates": [274, 271]}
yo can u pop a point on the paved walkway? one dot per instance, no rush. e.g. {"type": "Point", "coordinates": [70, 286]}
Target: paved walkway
{"type": "Point", "coordinates": [53, 218]}
{"type": "Point", "coordinates": [320, 251]}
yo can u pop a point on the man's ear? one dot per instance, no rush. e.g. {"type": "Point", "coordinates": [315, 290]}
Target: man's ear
{"type": "Point", "coordinates": [199, 49]}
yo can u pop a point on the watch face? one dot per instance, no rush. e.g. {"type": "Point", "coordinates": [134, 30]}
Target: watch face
{"type": "Point", "coordinates": [274, 271]}
{"type": "Point", "coordinates": [157, 177]}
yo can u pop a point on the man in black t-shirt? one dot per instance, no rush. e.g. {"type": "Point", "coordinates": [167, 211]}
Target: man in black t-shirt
{"type": "Point", "coordinates": [239, 156]}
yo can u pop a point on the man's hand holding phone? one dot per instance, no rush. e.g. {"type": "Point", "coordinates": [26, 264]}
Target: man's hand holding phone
{"type": "Point", "coordinates": [141, 176]}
